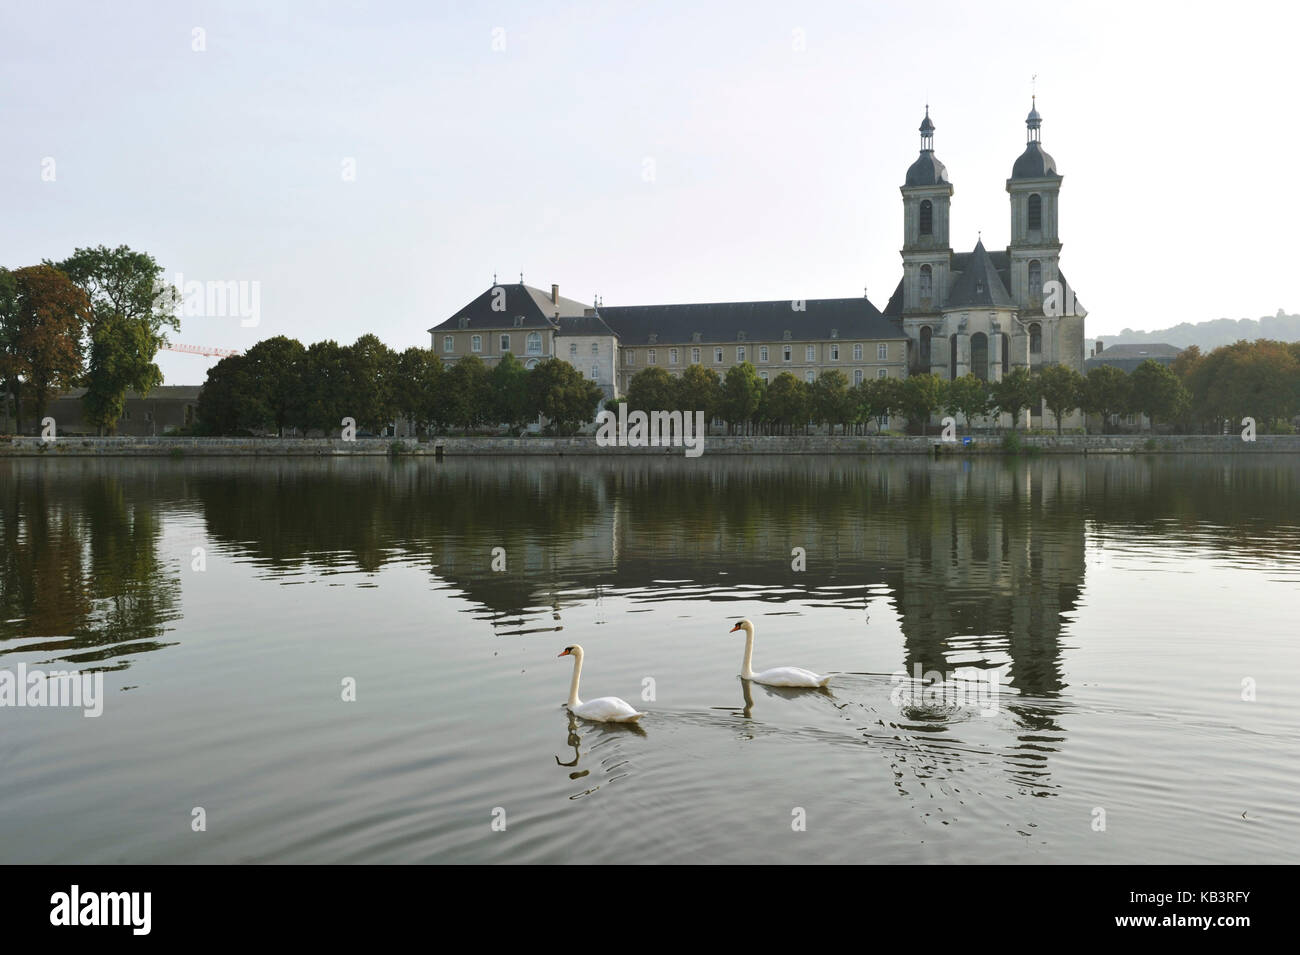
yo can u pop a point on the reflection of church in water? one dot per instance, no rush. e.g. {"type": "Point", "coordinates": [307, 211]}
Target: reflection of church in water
{"type": "Point", "coordinates": [981, 578]}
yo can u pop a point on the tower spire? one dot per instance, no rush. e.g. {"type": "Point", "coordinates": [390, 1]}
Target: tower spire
{"type": "Point", "coordinates": [1034, 121]}
{"type": "Point", "coordinates": [927, 132]}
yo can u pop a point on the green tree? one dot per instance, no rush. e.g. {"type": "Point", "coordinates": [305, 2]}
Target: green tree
{"type": "Point", "coordinates": [233, 399]}
{"type": "Point", "coordinates": [1106, 391]}
{"type": "Point", "coordinates": [652, 389]}
{"type": "Point", "coordinates": [1157, 392]}
{"type": "Point", "coordinates": [510, 397]}
{"type": "Point", "coordinates": [371, 372]}
{"type": "Point", "coordinates": [1059, 387]}
{"type": "Point", "coordinates": [740, 395]}
{"type": "Point", "coordinates": [923, 395]}
{"type": "Point", "coordinates": [1014, 393]}
{"type": "Point", "coordinates": [561, 392]}
{"type": "Point", "coordinates": [325, 383]}
{"type": "Point", "coordinates": [417, 389]}
{"type": "Point", "coordinates": [131, 309]}
{"type": "Point", "coordinates": [969, 396]}
{"type": "Point", "coordinates": [277, 365]}
{"type": "Point", "coordinates": [469, 393]}
{"type": "Point", "coordinates": [831, 402]}
{"type": "Point", "coordinates": [788, 402]}
{"type": "Point", "coordinates": [42, 317]}
{"type": "Point", "coordinates": [700, 389]}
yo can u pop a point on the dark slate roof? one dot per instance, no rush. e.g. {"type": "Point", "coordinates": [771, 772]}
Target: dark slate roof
{"type": "Point", "coordinates": [160, 392]}
{"type": "Point", "coordinates": [717, 322]}
{"type": "Point", "coordinates": [1001, 262]}
{"type": "Point", "coordinates": [589, 324]}
{"type": "Point", "coordinates": [979, 284]}
{"type": "Point", "coordinates": [1034, 163]}
{"type": "Point", "coordinates": [926, 171]}
{"type": "Point", "coordinates": [532, 304]}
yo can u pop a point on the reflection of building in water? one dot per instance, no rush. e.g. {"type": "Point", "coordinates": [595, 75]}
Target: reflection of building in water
{"type": "Point", "coordinates": [981, 561]}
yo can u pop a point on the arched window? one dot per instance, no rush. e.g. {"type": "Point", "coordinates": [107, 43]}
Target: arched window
{"type": "Point", "coordinates": [926, 335]}
{"type": "Point", "coordinates": [1035, 339]}
{"type": "Point", "coordinates": [927, 283]}
{"type": "Point", "coordinates": [534, 343]}
{"type": "Point", "coordinates": [1035, 281]}
{"type": "Point", "coordinates": [927, 217]}
{"type": "Point", "coordinates": [979, 356]}
{"type": "Point", "coordinates": [1035, 213]}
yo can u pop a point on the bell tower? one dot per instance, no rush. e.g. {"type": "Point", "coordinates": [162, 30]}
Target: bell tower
{"type": "Point", "coordinates": [927, 252]}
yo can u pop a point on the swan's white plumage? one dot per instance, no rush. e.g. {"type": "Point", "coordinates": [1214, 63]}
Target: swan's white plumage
{"type": "Point", "coordinates": [606, 709]}
{"type": "Point", "coordinates": [603, 709]}
{"type": "Point", "coordinates": [776, 676]}
{"type": "Point", "coordinates": [790, 676]}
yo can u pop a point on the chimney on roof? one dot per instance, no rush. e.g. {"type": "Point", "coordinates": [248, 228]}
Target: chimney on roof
{"type": "Point", "coordinates": [1098, 351]}
{"type": "Point", "coordinates": [555, 294]}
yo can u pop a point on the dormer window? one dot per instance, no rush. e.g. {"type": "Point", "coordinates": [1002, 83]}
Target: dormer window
{"type": "Point", "coordinates": [695, 336]}
{"type": "Point", "coordinates": [654, 338]}
{"type": "Point", "coordinates": [835, 333]}
{"type": "Point", "coordinates": [464, 322]}
{"type": "Point", "coordinates": [740, 336]}
{"type": "Point", "coordinates": [785, 336]}
{"type": "Point", "coordinates": [519, 321]}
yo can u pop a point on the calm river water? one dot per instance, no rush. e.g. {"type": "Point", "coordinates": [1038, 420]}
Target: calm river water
{"type": "Point", "coordinates": [1122, 607]}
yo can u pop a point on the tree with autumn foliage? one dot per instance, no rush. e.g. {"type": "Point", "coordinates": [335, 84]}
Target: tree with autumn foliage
{"type": "Point", "coordinates": [43, 316]}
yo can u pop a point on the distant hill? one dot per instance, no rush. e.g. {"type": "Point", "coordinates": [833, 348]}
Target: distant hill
{"type": "Point", "coordinates": [1212, 334]}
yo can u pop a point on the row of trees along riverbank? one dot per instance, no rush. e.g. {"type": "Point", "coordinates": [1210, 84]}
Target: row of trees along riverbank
{"type": "Point", "coordinates": [281, 384]}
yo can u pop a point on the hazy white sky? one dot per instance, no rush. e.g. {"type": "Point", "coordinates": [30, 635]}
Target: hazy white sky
{"type": "Point", "coordinates": [778, 134]}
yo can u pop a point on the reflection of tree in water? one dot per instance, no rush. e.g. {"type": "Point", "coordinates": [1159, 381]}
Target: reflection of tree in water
{"type": "Point", "coordinates": [361, 515]}
{"type": "Point", "coordinates": [80, 574]}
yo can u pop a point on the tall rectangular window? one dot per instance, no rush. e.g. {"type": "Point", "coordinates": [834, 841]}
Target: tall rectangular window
{"type": "Point", "coordinates": [882, 372]}
{"type": "Point", "coordinates": [627, 358]}
{"type": "Point", "coordinates": [672, 356]}
{"type": "Point", "coordinates": [857, 353]}
{"type": "Point", "coordinates": [476, 343]}
{"type": "Point", "coordinates": [650, 357]}
{"type": "Point", "coordinates": [573, 349]}
{"type": "Point", "coordinates": [835, 353]}
{"type": "Point", "coordinates": [740, 353]}
{"type": "Point", "coordinates": [882, 352]}
{"type": "Point", "coordinates": [810, 353]}
{"type": "Point", "coordinates": [857, 376]}
{"type": "Point", "coordinates": [762, 353]}
{"type": "Point", "coordinates": [695, 356]}
{"type": "Point", "coordinates": [717, 356]}
{"type": "Point", "coordinates": [505, 344]}
{"type": "Point", "coordinates": [810, 376]}
{"type": "Point", "coordinates": [785, 352]}
{"type": "Point", "coordinates": [448, 343]}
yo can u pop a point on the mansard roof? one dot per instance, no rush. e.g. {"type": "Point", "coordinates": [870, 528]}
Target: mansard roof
{"type": "Point", "coordinates": [732, 322]}
{"type": "Point", "coordinates": [525, 307]}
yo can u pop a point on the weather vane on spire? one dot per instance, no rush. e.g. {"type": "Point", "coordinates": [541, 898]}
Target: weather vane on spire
{"type": "Point", "coordinates": [1033, 88]}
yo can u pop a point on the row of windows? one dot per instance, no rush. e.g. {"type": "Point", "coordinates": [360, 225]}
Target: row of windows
{"type": "Point", "coordinates": [1035, 341]}
{"type": "Point", "coordinates": [533, 343]}
{"type": "Point", "coordinates": [787, 354]}
{"type": "Point", "coordinates": [811, 375]}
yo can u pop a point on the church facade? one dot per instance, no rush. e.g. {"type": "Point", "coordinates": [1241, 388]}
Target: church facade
{"type": "Point", "coordinates": [981, 312]}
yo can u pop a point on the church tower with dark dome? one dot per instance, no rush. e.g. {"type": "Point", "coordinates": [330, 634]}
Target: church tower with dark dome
{"type": "Point", "coordinates": [927, 250]}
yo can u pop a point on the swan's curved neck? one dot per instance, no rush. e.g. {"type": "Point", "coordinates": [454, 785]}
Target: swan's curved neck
{"type": "Point", "coordinates": [747, 666]}
{"type": "Point", "coordinates": [573, 687]}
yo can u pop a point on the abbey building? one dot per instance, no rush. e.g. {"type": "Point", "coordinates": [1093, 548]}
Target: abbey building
{"type": "Point", "coordinates": [981, 312]}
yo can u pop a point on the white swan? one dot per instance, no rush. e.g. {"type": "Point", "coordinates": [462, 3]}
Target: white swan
{"type": "Point", "coordinates": [604, 709]}
{"type": "Point", "coordinates": [777, 676]}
